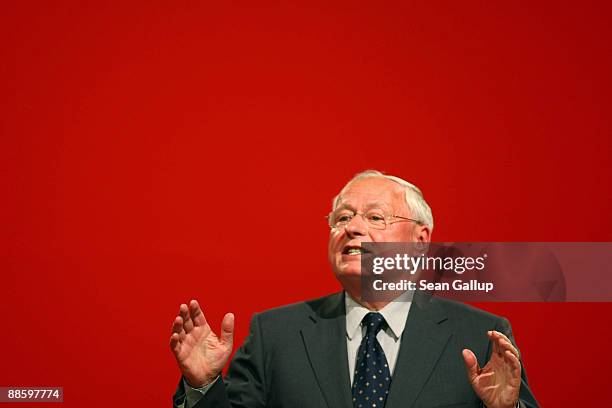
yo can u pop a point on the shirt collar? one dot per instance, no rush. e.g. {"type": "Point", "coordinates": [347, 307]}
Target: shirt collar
{"type": "Point", "coordinates": [395, 314]}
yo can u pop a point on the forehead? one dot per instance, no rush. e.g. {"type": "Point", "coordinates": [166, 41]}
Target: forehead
{"type": "Point", "coordinates": [372, 191]}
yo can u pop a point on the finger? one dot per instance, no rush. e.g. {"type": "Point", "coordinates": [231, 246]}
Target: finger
{"type": "Point", "coordinates": [505, 345]}
{"type": "Point", "coordinates": [175, 343]}
{"type": "Point", "coordinates": [187, 322]}
{"type": "Point", "coordinates": [493, 338]}
{"type": "Point", "coordinates": [500, 334]}
{"type": "Point", "coordinates": [502, 343]}
{"type": "Point", "coordinates": [471, 364]}
{"type": "Point", "coordinates": [178, 327]}
{"type": "Point", "coordinates": [197, 316]}
{"type": "Point", "coordinates": [227, 329]}
{"type": "Point", "coordinates": [514, 363]}
{"type": "Point", "coordinates": [512, 369]}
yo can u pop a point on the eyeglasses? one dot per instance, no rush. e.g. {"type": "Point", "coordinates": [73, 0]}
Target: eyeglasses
{"type": "Point", "coordinates": [374, 218]}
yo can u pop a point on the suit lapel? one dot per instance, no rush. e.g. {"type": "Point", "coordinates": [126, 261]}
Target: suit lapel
{"type": "Point", "coordinates": [325, 342]}
{"type": "Point", "coordinates": [423, 340]}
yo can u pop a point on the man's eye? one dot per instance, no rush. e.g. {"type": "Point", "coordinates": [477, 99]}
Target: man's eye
{"type": "Point", "coordinates": [344, 218]}
{"type": "Point", "coordinates": [376, 217]}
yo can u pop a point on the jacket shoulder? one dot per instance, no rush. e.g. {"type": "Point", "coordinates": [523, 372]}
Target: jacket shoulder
{"type": "Point", "coordinates": [462, 311]}
{"type": "Point", "coordinates": [301, 310]}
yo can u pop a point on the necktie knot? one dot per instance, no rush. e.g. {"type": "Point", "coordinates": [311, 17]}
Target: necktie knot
{"type": "Point", "coordinates": [373, 322]}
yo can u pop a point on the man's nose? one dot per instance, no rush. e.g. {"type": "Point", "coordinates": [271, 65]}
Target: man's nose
{"type": "Point", "coordinates": [357, 227]}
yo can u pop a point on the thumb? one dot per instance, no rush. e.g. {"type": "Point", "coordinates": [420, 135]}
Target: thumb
{"type": "Point", "coordinates": [227, 329]}
{"type": "Point", "coordinates": [471, 364]}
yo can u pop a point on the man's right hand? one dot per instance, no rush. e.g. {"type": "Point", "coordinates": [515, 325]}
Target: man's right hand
{"type": "Point", "coordinates": [200, 353]}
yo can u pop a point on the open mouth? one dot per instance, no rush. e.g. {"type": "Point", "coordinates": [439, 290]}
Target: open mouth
{"type": "Point", "coordinates": [353, 250]}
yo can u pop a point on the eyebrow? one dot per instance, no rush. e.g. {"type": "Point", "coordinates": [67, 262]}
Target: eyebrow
{"type": "Point", "coordinates": [376, 204]}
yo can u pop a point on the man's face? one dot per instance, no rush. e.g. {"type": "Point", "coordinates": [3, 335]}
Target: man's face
{"type": "Point", "coordinates": [373, 193]}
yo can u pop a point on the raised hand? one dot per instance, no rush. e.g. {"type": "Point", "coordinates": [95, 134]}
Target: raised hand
{"type": "Point", "coordinates": [199, 352]}
{"type": "Point", "coordinates": [498, 383]}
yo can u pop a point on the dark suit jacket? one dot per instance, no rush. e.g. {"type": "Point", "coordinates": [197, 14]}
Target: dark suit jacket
{"type": "Point", "coordinates": [296, 356]}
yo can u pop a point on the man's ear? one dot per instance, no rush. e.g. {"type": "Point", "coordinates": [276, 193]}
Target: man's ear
{"type": "Point", "coordinates": [423, 233]}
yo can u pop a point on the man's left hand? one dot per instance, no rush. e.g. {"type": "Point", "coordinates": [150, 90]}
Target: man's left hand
{"type": "Point", "coordinates": [498, 383]}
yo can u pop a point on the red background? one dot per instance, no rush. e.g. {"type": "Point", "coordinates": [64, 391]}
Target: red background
{"type": "Point", "coordinates": [154, 152]}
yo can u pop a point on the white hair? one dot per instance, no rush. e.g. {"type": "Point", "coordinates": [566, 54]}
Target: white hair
{"type": "Point", "coordinates": [418, 207]}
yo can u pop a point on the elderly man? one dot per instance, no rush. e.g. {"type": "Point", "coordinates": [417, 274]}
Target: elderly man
{"type": "Point", "coordinates": [345, 351]}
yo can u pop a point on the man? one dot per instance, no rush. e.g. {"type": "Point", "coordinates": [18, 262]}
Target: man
{"type": "Point", "coordinates": [345, 351]}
